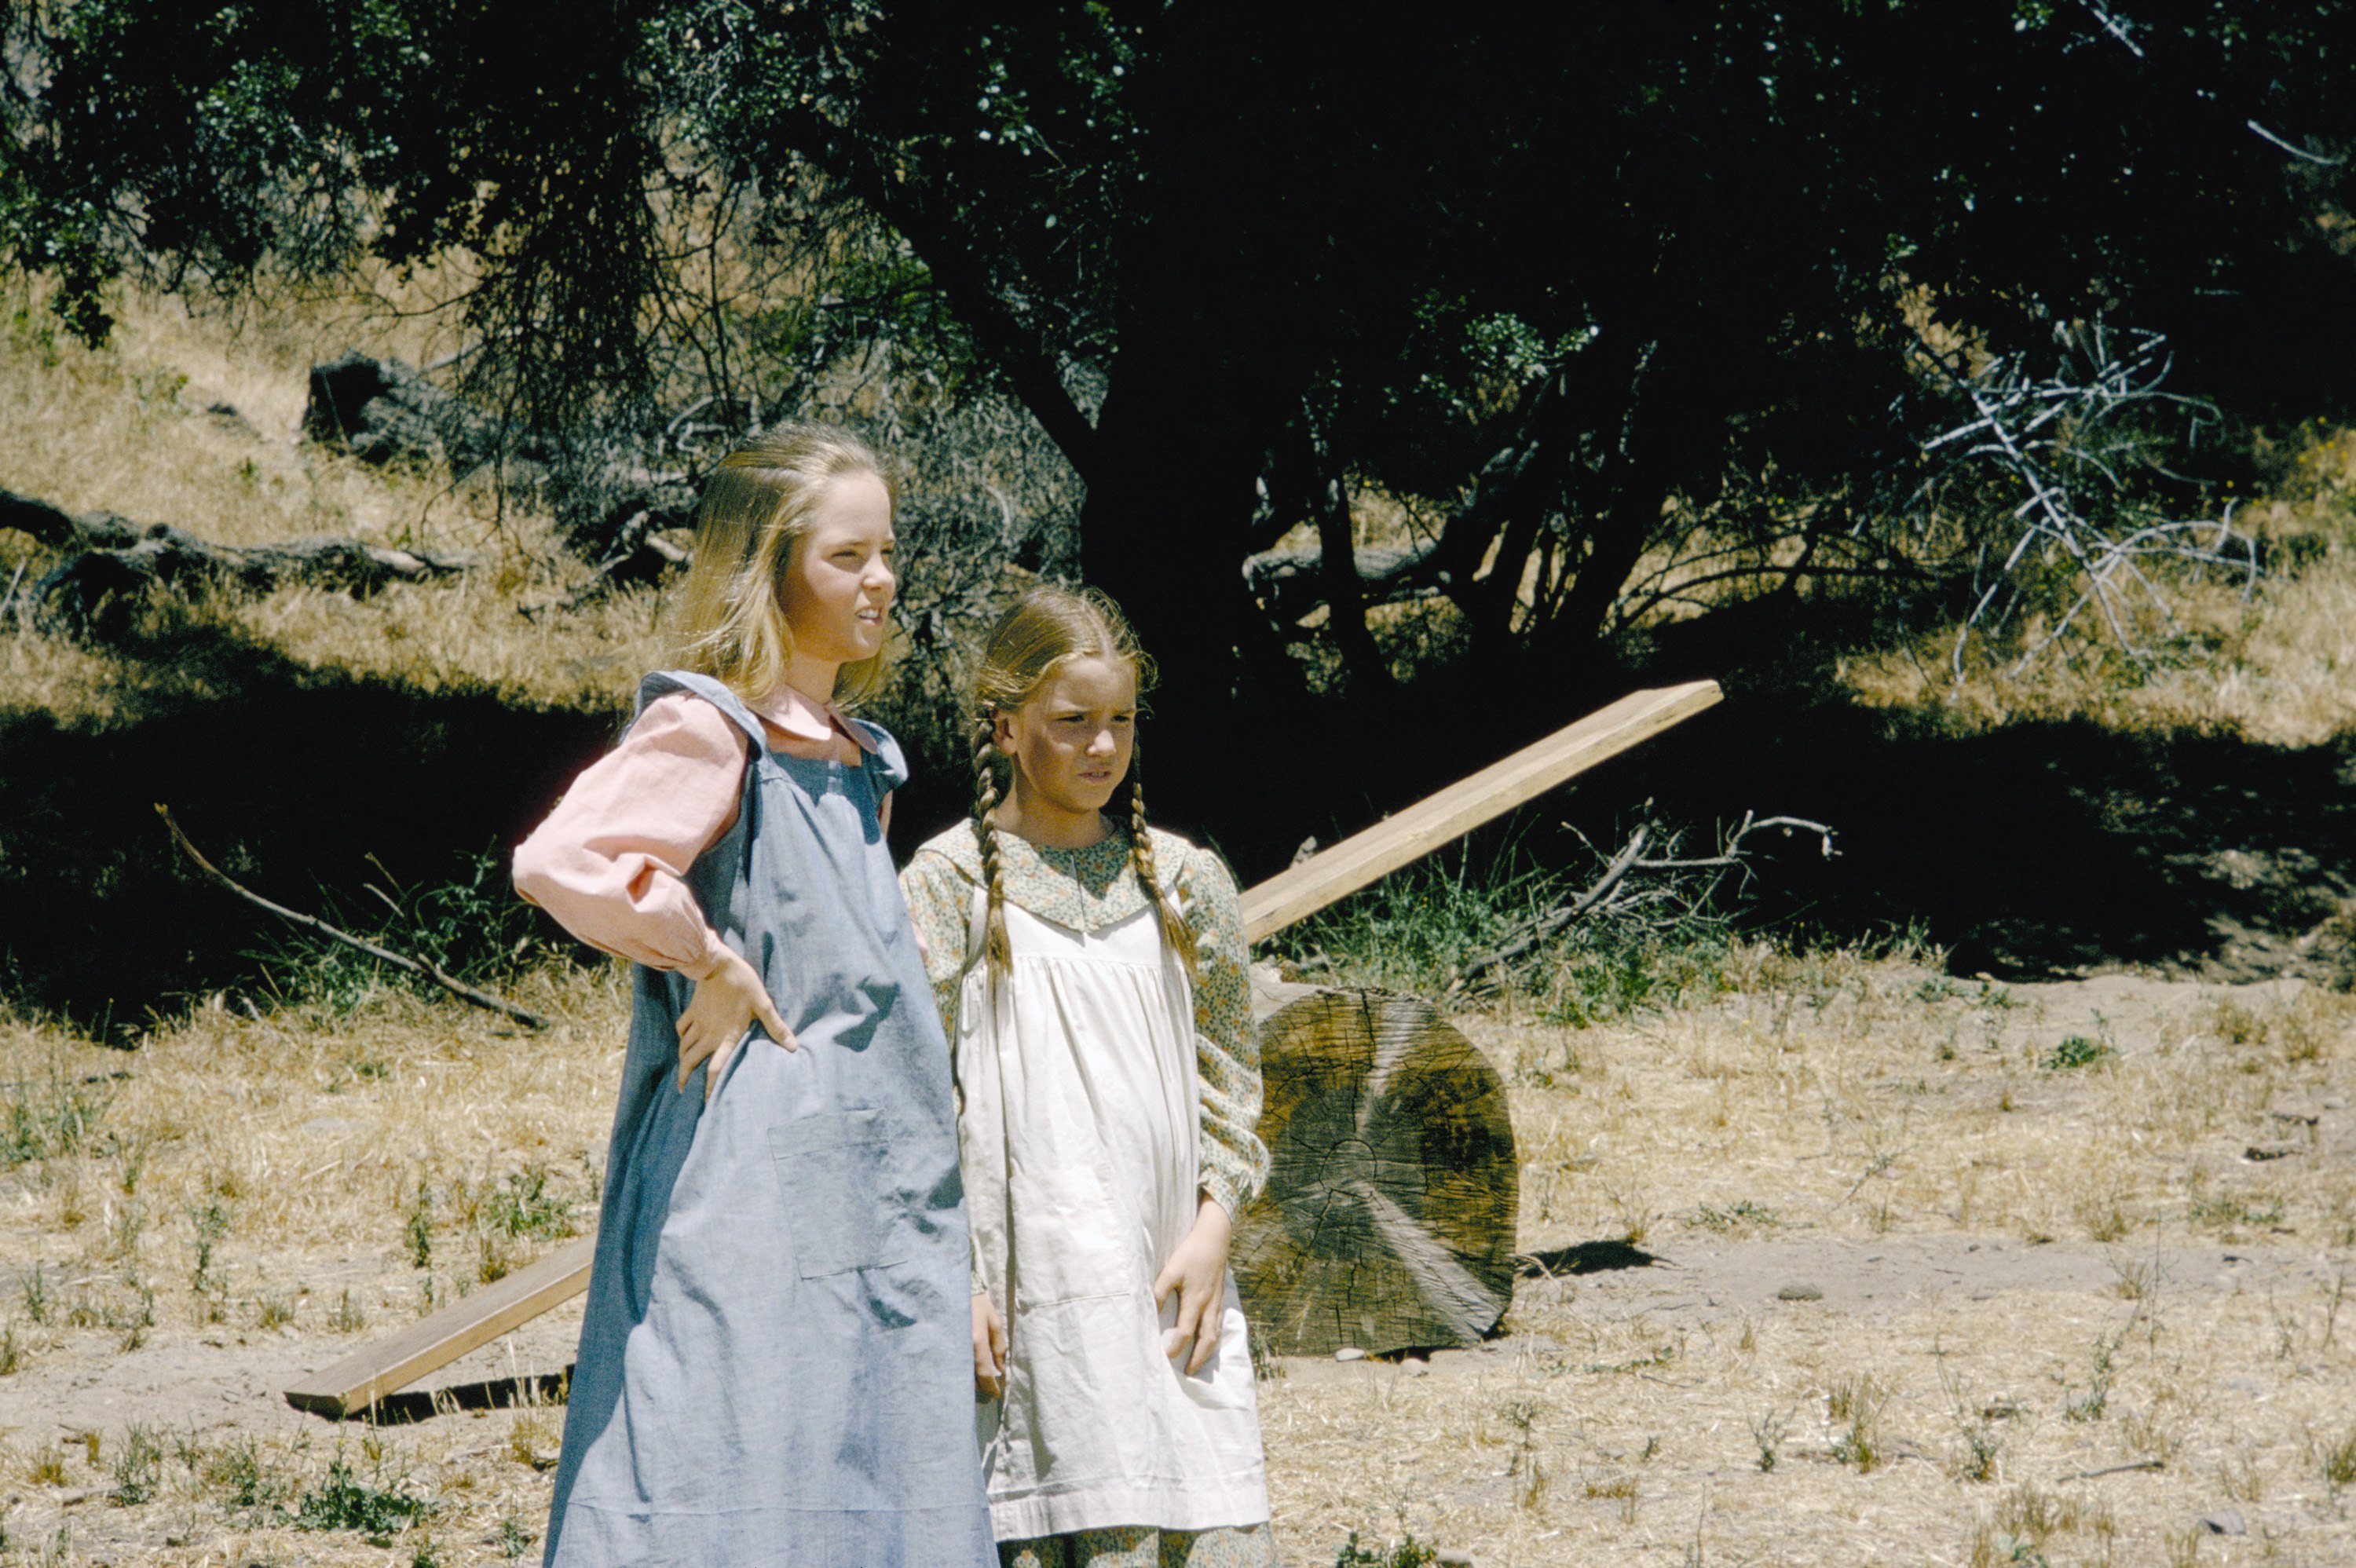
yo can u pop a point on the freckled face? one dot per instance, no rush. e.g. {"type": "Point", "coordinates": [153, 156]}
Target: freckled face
{"type": "Point", "coordinates": [1071, 741]}
{"type": "Point", "coordinates": [838, 584]}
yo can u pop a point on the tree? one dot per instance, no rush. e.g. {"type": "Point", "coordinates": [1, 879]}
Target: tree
{"type": "Point", "coordinates": [1582, 282]}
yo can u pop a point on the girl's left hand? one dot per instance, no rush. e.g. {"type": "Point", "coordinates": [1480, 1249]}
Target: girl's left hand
{"type": "Point", "coordinates": [1197, 1271]}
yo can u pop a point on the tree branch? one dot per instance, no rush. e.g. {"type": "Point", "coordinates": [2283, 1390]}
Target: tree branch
{"type": "Point", "coordinates": [402, 961]}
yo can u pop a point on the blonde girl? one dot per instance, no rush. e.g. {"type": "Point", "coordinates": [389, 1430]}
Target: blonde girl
{"type": "Point", "coordinates": [780, 1303]}
{"type": "Point", "coordinates": [1091, 970]}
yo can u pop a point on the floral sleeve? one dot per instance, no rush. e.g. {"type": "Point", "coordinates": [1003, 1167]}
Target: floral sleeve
{"type": "Point", "coordinates": [1227, 1042]}
{"type": "Point", "coordinates": [940, 900]}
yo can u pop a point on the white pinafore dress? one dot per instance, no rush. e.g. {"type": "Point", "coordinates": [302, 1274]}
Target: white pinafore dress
{"type": "Point", "coordinates": [1077, 1134]}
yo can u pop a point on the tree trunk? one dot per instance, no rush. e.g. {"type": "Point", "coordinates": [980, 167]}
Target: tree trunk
{"type": "Point", "coordinates": [1164, 531]}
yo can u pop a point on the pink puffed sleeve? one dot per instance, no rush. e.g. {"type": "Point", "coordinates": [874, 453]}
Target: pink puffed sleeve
{"type": "Point", "coordinates": [609, 860]}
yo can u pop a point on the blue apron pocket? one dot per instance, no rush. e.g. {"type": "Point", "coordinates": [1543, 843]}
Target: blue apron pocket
{"type": "Point", "coordinates": [838, 1194]}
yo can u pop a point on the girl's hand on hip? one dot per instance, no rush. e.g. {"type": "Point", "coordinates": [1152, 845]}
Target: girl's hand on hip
{"type": "Point", "coordinates": [990, 1344]}
{"type": "Point", "coordinates": [726, 1003]}
{"type": "Point", "coordinates": [1197, 1271]}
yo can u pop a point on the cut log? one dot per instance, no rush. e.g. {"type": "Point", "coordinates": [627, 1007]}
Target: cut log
{"type": "Point", "coordinates": [393, 1362]}
{"type": "Point", "coordinates": [1409, 835]}
{"type": "Point", "coordinates": [1393, 1192]}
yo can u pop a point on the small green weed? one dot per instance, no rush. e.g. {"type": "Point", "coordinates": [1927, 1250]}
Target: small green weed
{"type": "Point", "coordinates": [523, 1205]}
{"type": "Point", "coordinates": [48, 1121]}
{"type": "Point", "coordinates": [1408, 1553]}
{"type": "Point", "coordinates": [515, 1537]}
{"type": "Point", "coordinates": [2074, 1052]}
{"type": "Point", "coordinates": [1767, 1431]}
{"type": "Point", "coordinates": [419, 1227]}
{"type": "Point", "coordinates": [1741, 1214]}
{"type": "Point", "coordinates": [340, 1502]}
{"type": "Point", "coordinates": [138, 1469]}
{"type": "Point", "coordinates": [211, 1225]}
{"type": "Point", "coordinates": [2232, 1210]}
{"type": "Point", "coordinates": [2090, 1405]}
{"type": "Point", "coordinates": [2339, 1462]}
{"type": "Point", "coordinates": [238, 1475]}
{"type": "Point", "coordinates": [1855, 1405]}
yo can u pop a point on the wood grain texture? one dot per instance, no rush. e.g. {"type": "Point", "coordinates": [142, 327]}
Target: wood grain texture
{"type": "Point", "coordinates": [1394, 1190]}
{"type": "Point", "coordinates": [393, 1362]}
{"type": "Point", "coordinates": [1424, 826]}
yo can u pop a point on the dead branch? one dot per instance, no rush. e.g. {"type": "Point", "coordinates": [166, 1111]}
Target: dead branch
{"type": "Point", "coordinates": [1599, 895]}
{"type": "Point", "coordinates": [2063, 438]}
{"type": "Point", "coordinates": [112, 555]}
{"type": "Point", "coordinates": [401, 961]}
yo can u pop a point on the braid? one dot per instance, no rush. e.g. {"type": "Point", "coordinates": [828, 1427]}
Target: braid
{"type": "Point", "coordinates": [995, 947]}
{"type": "Point", "coordinates": [1141, 854]}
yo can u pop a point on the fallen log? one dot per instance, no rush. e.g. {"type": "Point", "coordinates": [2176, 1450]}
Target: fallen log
{"type": "Point", "coordinates": [114, 555]}
{"type": "Point", "coordinates": [1392, 1204]}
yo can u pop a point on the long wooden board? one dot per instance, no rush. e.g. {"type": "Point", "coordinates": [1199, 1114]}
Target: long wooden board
{"type": "Point", "coordinates": [392, 1363]}
{"type": "Point", "coordinates": [1424, 826]}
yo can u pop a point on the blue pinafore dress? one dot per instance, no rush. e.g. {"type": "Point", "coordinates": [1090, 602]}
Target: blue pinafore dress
{"type": "Point", "coordinates": [777, 1363]}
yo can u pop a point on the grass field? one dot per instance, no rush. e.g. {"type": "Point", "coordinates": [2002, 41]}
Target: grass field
{"type": "Point", "coordinates": [1940, 1270]}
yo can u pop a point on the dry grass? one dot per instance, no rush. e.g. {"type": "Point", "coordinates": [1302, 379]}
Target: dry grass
{"type": "Point", "coordinates": [126, 430]}
{"type": "Point", "coordinates": [1842, 1109]}
{"type": "Point", "coordinates": [1918, 1413]}
{"type": "Point", "coordinates": [239, 1198]}
{"type": "Point", "coordinates": [2276, 664]}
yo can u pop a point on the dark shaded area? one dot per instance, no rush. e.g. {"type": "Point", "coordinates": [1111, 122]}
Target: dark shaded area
{"type": "Point", "coordinates": [290, 780]}
{"type": "Point", "coordinates": [2036, 850]}
{"type": "Point", "coordinates": [1583, 1257]}
{"type": "Point", "coordinates": [414, 1405]}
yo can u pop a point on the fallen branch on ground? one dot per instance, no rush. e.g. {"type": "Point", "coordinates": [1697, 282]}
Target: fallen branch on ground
{"type": "Point", "coordinates": [402, 961]}
{"type": "Point", "coordinates": [114, 555]}
{"type": "Point", "coordinates": [1599, 893]}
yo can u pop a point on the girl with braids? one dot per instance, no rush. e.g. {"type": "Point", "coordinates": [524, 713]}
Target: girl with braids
{"type": "Point", "coordinates": [1091, 970]}
{"type": "Point", "coordinates": [772, 1325]}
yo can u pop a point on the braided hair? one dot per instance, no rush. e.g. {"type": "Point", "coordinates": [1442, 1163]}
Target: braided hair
{"type": "Point", "coordinates": [1047, 628]}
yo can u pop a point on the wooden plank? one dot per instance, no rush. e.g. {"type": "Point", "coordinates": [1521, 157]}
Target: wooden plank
{"type": "Point", "coordinates": [1408, 835]}
{"type": "Point", "coordinates": [395, 1361]}
{"type": "Point", "coordinates": [399, 1360]}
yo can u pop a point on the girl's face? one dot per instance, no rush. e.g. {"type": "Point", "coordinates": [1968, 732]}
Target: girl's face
{"type": "Point", "coordinates": [838, 583]}
{"type": "Point", "coordinates": [1071, 741]}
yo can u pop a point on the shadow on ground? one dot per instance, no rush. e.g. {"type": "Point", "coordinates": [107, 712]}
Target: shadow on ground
{"type": "Point", "coordinates": [287, 779]}
{"type": "Point", "coordinates": [2041, 849]}
{"type": "Point", "coordinates": [2037, 851]}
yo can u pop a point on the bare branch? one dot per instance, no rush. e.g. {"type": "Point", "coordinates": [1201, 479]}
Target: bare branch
{"type": "Point", "coordinates": [401, 961]}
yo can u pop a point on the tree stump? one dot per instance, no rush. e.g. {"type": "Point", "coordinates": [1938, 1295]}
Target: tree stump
{"type": "Point", "coordinates": [1388, 1222]}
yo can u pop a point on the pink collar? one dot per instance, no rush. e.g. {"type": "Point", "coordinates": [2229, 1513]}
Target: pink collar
{"type": "Point", "coordinates": [805, 719]}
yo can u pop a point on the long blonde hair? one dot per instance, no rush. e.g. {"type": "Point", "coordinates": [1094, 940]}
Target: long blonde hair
{"type": "Point", "coordinates": [1046, 629]}
{"type": "Point", "coordinates": [755, 507]}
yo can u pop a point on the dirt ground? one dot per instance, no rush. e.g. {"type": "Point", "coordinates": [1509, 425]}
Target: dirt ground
{"type": "Point", "coordinates": [1906, 1269]}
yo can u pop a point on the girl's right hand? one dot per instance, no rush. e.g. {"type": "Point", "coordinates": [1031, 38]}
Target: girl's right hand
{"type": "Point", "coordinates": [725, 1004]}
{"type": "Point", "coordinates": [988, 1347]}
